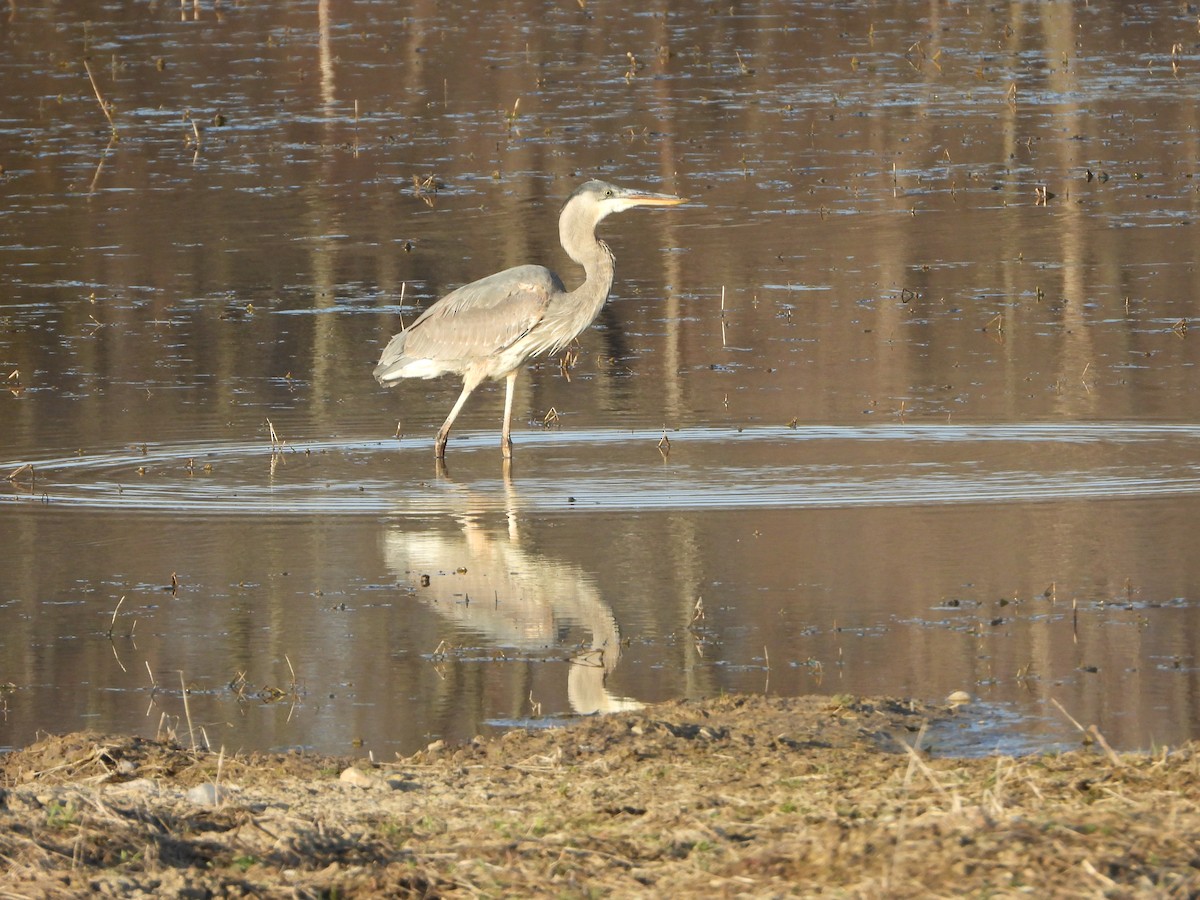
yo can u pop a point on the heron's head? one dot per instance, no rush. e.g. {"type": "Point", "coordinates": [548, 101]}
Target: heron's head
{"type": "Point", "coordinates": [593, 200]}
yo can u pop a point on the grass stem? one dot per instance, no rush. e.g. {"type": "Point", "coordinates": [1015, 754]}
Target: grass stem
{"type": "Point", "coordinates": [100, 98]}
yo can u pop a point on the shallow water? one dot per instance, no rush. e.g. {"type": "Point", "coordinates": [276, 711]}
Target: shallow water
{"type": "Point", "coordinates": [900, 403]}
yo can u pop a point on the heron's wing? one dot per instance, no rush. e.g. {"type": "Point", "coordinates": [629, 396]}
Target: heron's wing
{"type": "Point", "coordinates": [484, 317]}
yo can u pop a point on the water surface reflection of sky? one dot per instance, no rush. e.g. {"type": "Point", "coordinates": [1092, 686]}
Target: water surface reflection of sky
{"type": "Point", "coordinates": [921, 345]}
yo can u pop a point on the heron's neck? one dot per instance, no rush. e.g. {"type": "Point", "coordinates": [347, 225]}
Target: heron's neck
{"type": "Point", "coordinates": [597, 262]}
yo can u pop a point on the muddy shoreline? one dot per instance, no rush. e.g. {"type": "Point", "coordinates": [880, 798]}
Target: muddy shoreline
{"type": "Point", "coordinates": [737, 796]}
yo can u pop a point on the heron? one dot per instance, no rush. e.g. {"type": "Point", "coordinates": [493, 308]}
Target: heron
{"type": "Point", "coordinates": [487, 329]}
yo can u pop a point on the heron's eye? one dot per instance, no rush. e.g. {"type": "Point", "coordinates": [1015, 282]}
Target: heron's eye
{"type": "Point", "coordinates": [608, 193]}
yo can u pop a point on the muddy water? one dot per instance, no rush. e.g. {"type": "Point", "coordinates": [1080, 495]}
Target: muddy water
{"type": "Point", "coordinates": [919, 346]}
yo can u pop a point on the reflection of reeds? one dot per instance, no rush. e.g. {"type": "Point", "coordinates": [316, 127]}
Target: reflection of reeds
{"type": "Point", "coordinates": [100, 165]}
{"type": "Point", "coordinates": [113, 624]}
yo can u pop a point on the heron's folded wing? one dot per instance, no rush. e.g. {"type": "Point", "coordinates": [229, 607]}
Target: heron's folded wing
{"type": "Point", "coordinates": [483, 317]}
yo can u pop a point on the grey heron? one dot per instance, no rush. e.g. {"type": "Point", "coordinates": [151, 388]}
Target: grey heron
{"type": "Point", "coordinates": [490, 327]}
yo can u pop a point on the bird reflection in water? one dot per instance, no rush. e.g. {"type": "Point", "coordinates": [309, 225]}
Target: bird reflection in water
{"type": "Point", "coordinates": [519, 600]}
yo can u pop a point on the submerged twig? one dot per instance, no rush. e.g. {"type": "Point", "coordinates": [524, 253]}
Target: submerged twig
{"type": "Point", "coordinates": [17, 473]}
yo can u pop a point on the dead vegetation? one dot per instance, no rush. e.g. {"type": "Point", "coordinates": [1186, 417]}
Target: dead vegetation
{"type": "Point", "coordinates": [733, 797]}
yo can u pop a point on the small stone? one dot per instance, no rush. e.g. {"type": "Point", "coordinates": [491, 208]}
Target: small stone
{"type": "Point", "coordinates": [208, 794]}
{"type": "Point", "coordinates": [136, 786]}
{"type": "Point", "coordinates": [362, 779]}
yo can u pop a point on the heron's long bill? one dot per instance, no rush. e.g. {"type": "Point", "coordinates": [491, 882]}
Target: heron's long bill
{"type": "Point", "coordinates": [644, 198]}
{"type": "Point", "coordinates": [627, 199]}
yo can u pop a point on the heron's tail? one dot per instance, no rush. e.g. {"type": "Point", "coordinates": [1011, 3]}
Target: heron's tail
{"type": "Point", "coordinates": [392, 361]}
{"type": "Point", "coordinates": [395, 363]}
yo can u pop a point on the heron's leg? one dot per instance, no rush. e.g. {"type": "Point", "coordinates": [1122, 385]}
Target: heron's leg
{"type": "Point", "coordinates": [505, 434]}
{"type": "Point", "coordinates": [444, 432]}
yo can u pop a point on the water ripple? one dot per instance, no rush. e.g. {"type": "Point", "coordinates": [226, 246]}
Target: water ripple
{"type": "Point", "coordinates": [816, 466]}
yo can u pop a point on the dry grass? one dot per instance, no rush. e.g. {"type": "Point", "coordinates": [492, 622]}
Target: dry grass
{"type": "Point", "coordinates": [734, 797]}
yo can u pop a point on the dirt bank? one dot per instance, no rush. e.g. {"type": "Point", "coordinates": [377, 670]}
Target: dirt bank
{"type": "Point", "coordinates": [737, 796]}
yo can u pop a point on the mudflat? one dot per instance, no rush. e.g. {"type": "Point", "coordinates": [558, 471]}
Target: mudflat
{"type": "Point", "coordinates": [734, 796]}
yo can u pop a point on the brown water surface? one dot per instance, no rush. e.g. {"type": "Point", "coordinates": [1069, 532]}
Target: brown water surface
{"type": "Point", "coordinates": [920, 345]}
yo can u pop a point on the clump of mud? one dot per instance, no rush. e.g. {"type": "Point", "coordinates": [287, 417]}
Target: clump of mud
{"type": "Point", "coordinates": [735, 796]}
